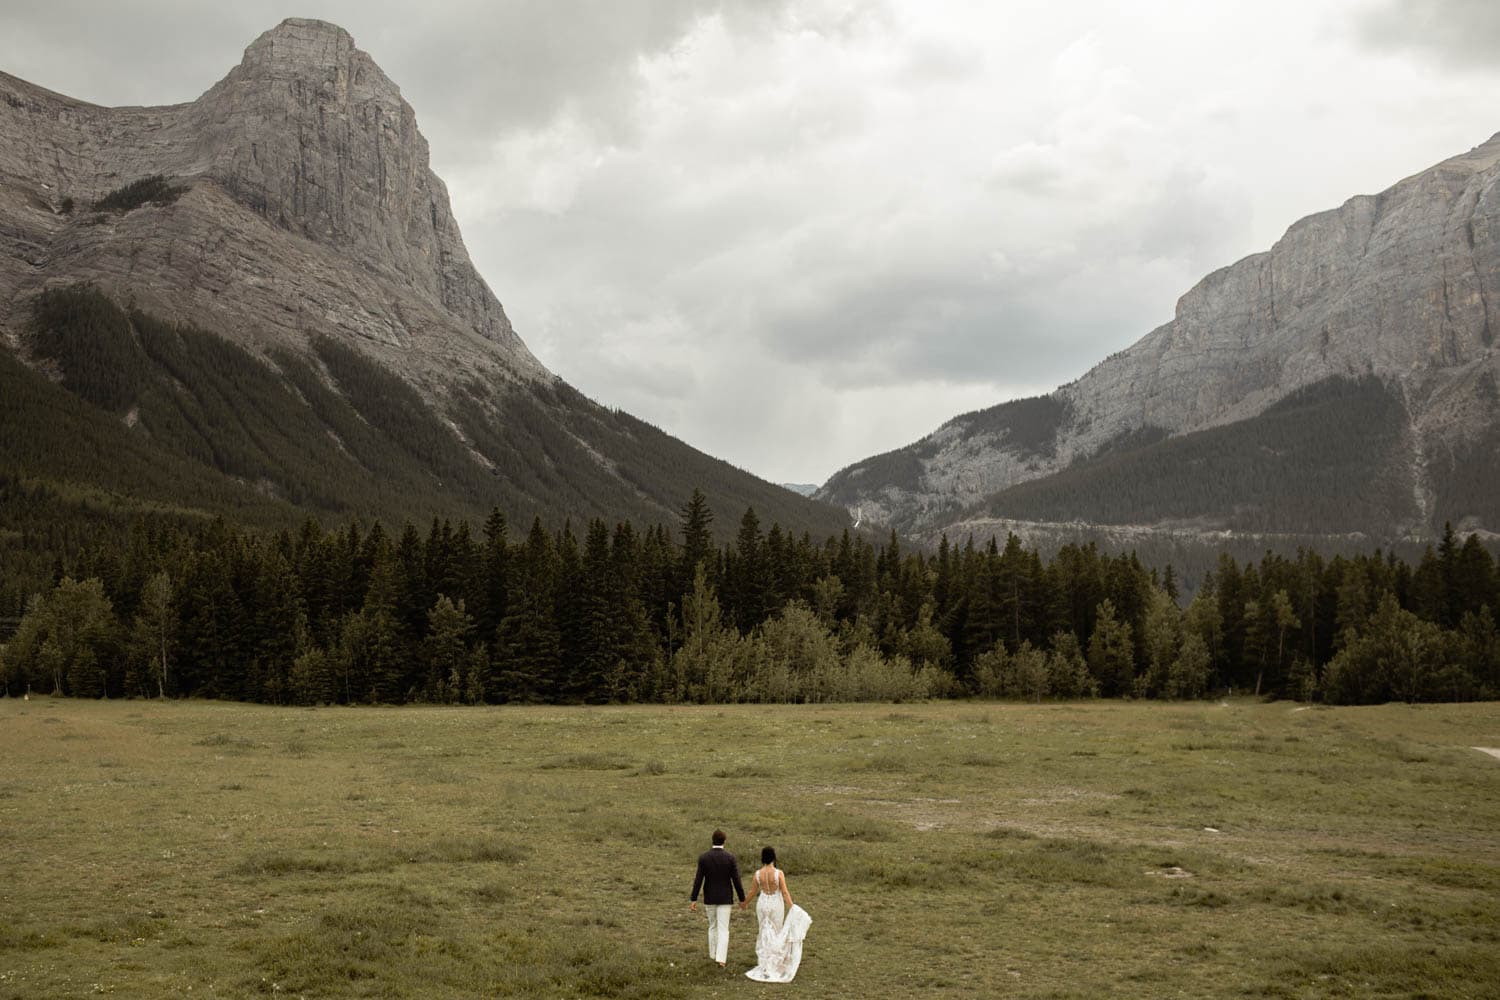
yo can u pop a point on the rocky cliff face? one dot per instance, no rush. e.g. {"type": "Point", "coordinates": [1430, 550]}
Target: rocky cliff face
{"type": "Point", "coordinates": [371, 370]}
{"type": "Point", "coordinates": [1403, 285]}
{"type": "Point", "coordinates": [310, 207]}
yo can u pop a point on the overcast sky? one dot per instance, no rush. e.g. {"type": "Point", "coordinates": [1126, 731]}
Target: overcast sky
{"type": "Point", "coordinates": [799, 234]}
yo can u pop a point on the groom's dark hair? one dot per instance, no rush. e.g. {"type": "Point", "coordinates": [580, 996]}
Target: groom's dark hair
{"type": "Point", "coordinates": [719, 838]}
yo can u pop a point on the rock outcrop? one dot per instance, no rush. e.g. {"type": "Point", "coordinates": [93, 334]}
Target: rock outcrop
{"type": "Point", "coordinates": [1403, 285]}
{"type": "Point", "coordinates": [309, 207]}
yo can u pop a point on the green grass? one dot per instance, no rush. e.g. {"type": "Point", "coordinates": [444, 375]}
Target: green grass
{"type": "Point", "coordinates": [945, 850]}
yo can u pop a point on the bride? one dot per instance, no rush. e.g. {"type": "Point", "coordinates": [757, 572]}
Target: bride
{"type": "Point", "coordinates": [783, 925]}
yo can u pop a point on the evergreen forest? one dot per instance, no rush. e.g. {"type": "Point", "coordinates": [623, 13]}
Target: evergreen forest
{"type": "Point", "coordinates": [617, 613]}
{"type": "Point", "coordinates": [1324, 459]}
{"type": "Point", "coordinates": [111, 413]}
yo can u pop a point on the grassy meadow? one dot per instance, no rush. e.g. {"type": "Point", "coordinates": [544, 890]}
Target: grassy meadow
{"type": "Point", "coordinates": [944, 850]}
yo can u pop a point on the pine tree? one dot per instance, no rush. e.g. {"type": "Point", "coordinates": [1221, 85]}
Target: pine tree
{"type": "Point", "coordinates": [568, 612]}
{"type": "Point", "coordinates": [278, 630]}
{"type": "Point", "coordinates": [1169, 583]}
{"type": "Point", "coordinates": [1016, 595]}
{"type": "Point", "coordinates": [1231, 592]}
{"type": "Point", "coordinates": [309, 563]}
{"type": "Point", "coordinates": [414, 593]}
{"type": "Point", "coordinates": [746, 593]}
{"type": "Point", "coordinates": [635, 651]}
{"type": "Point", "coordinates": [1474, 582]}
{"type": "Point", "coordinates": [984, 625]}
{"type": "Point", "coordinates": [943, 589]}
{"type": "Point", "coordinates": [697, 539]}
{"type": "Point", "coordinates": [376, 655]}
{"type": "Point", "coordinates": [496, 575]}
{"type": "Point", "coordinates": [658, 582]}
{"type": "Point", "coordinates": [597, 600]}
{"type": "Point", "coordinates": [528, 654]}
{"type": "Point", "coordinates": [212, 621]}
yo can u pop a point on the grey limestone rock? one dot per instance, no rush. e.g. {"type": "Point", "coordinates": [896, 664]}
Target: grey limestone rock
{"type": "Point", "coordinates": [1404, 285]}
{"type": "Point", "coordinates": [310, 209]}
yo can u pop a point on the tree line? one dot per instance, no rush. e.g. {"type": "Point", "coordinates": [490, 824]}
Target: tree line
{"type": "Point", "coordinates": [615, 614]}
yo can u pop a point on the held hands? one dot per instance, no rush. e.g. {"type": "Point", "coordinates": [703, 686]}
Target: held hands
{"type": "Point", "coordinates": [693, 907]}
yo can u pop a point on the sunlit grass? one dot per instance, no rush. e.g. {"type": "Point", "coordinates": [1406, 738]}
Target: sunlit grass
{"type": "Point", "coordinates": [958, 850]}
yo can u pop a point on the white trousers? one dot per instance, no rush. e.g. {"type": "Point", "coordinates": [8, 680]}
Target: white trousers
{"type": "Point", "coordinates": [718, 931]}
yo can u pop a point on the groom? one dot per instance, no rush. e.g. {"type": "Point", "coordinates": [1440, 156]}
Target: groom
{"type": "Point", "coordinates": [719, 878]}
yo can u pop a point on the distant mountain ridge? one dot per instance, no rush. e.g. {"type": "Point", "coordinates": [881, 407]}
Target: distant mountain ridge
{"type": "Point", "coordinates": [369, 368]}
{"type": "Point", "coordinates": [1387, 304]}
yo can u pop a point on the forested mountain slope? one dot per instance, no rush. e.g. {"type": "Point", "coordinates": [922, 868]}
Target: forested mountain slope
{"type": "Point", "coordinates": [259, 304]}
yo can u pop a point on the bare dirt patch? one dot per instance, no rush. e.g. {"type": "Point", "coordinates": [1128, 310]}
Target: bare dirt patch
{"type": "Point", "coordinates": [1492, 751]}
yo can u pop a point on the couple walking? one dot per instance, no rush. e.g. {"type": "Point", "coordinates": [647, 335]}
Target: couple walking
{"type": "Point", "coordinates": [783, 925]}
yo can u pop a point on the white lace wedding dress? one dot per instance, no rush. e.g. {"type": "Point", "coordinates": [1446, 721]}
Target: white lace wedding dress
{"type": "Point", "coordinates": [778, 946]}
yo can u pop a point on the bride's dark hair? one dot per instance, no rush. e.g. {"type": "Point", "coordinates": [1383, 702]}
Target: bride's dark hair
{"type": "Point", "coordinates": [767, 855]}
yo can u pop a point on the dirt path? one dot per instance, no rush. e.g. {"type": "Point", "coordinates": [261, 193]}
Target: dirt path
{"type": "Point", "coordinates": [1492, 751]}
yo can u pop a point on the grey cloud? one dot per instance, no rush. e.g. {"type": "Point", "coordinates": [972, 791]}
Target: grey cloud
{"type": "Point", "coordinates": [1177, 216]}
{"type": "Point", "coordinates": [1037, 321]}
{"type": "Point", "coordinates": [930, 60]}
{"type": "Point", "coordinates": [471, 68]}
{"type": "Point", "coordinates": [121, 54]}
{"type": "Point", "coordinates": [1463, 32]}
{"type": "Point", "coordinates": [1030, 169]}
{"type": "Point", "coordinates": [1032, 331]}
{"type": "Point", "coordinates": [494, 67]}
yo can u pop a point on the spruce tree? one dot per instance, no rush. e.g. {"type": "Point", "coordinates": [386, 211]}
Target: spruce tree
{"type": "Point", "coordinates": [378, 663]}
{"type": "Point", "coordinates": [496, 575]}
{"type": "Point", "coordinates": [746, 593]}
{"type": "Point", "coordinates": [528, 655]}
{"type": "Point", "coordinates": [597, 601]}
{"type": "Point", "coordinates": [697, 539]}
{"type": "Point", "coordinates": [635, 651]}
{"type": "Point", "coordinates": [280, 627]}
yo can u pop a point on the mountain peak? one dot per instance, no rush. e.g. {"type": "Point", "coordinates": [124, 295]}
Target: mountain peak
{"type": "Point", "coordinates": [323, 335]}
{"type": "Point", "coordinates": [306, 136]}
{"type": "Point", "coordinates": [319, 52]}
{"type": "Point", "coordinates": [301, 35]}
{"type": "Point", "coordinates": [303, 25]}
